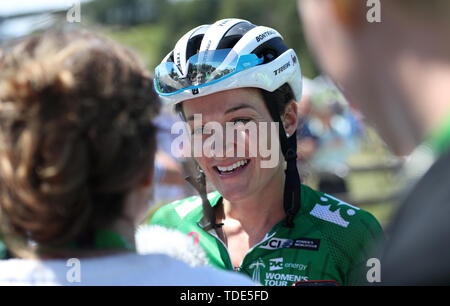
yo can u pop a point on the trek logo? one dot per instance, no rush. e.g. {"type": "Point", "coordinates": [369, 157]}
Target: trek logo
{"type": "Point", "coordinates": [264, 35]}
{"type": "Point", "coordinates": [282, 68]}
{"type": "Point", "coordinates": [276, 264]}
{"type": "Point", "coordinates": [300, 243]}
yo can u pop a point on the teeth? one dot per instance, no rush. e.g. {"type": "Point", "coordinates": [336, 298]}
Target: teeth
{"type": "Point", "coordinates": [233, 166]}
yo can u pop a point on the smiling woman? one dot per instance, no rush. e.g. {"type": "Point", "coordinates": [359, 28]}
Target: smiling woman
{"type": "Point", "coordinates": [261, 221]}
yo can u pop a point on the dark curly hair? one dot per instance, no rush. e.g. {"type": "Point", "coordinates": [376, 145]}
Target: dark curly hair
{"type": "Point", "coordinates": [75, 136]}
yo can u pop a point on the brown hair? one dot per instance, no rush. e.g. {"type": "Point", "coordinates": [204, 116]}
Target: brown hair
{"type": "Point", "coordinates": [75, 136]}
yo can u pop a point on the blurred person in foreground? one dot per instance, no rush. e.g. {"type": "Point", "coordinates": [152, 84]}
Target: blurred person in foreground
{"type": "Point", "coordinates": [398, 73]}
{"type": "Point", "coordinates": [77, 147]}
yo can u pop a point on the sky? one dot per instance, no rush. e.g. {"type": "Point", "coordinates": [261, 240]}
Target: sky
{"type": "Point", "coordinates": [22, 26]}
{"type": "Point", "coordinates": [20, 6]}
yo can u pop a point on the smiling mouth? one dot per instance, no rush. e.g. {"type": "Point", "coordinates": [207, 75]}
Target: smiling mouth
{"type": "Point", "coordinates": [234, 168]}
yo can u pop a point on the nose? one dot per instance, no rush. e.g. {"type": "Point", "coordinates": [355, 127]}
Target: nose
{"type": "Point", "coordinates": [219, 147]}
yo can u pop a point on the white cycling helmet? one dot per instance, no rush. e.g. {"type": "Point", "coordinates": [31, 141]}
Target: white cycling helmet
{"type": "Point", "coordinates": [231, 53]}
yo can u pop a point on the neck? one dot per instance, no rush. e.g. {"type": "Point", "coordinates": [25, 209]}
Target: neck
{"type": "Point", "coordinates": [260, 211]}
{"type": "Point", "coordinates": [126, 229]}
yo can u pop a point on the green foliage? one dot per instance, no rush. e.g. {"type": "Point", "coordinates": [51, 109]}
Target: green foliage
{"type": "Point", "coordinates": [170, 19]}
{"type": "Point", "coordinates": [124, 12]}
{"type": "Point", "coordinates": [147, 40]}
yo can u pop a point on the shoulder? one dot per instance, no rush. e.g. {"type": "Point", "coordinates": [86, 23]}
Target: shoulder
{"type": "Point", "coordinates": [155, 239]}
{"type": "Point", "coordinates": [327, 210]}
{"type": "Point", "coordinates": [121, 269]}
{"type": "Point", "coordinates": [164, 270]}
{"type": "Point", "coordinates": [210, 276]}
{"type": "Point", "coordinates": [180, 211]}
{"type": "Point", "coordinates": [350, 234]}
{"type": "Point", "coordinates": [344, 225]}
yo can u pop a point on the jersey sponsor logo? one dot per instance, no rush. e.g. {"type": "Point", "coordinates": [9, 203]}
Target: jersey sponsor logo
{"type": "Point", "coordinates": [335, 212]}
{"type": "Point", "coordinates": [295, 266]}
{"type": "Point", "coordinates": [281, 279]}
{"type": "Point", "coordinates": [264, 35]}
{"type": "Point", "coordinates": [256, 276]}
{"type": "Point", "coordinates": [299, 243]}
{"type": "Point", "coordinates": [273, 278]}
{"type": "Point", "coordinates": [276, 264]}
{"type": "Point", "coordinates": [282, 68]}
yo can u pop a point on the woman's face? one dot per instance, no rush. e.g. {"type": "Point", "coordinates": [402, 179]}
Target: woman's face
{"type": "Point", "coordinates": [251, 172]}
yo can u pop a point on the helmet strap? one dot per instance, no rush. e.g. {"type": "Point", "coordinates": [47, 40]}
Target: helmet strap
{"type": "Point", "coordinates": [198, 181]}
{"type": "Point", "coordinates": [292, 184]}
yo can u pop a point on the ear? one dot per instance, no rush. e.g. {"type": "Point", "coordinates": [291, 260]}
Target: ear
{"type": "Point", "coordinates": [290, 117]}
{"type": "Point", "coordinates": [147, 180]}
{"type": "Point", "coordinates": [350, 13]}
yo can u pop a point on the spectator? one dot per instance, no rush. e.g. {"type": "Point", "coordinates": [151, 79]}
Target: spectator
{"type": "Point", "coordinates": [77, 147]}
{"type": "Point", "coordinates": [398, 72]}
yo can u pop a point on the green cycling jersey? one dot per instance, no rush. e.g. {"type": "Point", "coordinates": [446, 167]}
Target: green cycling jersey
{"type": "Point", "coordinates": [330, 243]}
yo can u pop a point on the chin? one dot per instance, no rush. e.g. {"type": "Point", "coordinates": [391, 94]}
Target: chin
{"type": "Point", "coordinates": [233, 193]}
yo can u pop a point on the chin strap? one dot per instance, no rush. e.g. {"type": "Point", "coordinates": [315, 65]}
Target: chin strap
{"type": "Point", "coordinates": [292, 185]}
{"type": "Point", "coordinates": [198, 181]}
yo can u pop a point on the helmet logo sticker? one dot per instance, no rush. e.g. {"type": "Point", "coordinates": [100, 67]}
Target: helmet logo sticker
{"type": "Point", "coordinates": [264, 35]}
{"type": "Point", "coordinates": [178, 60]}
{"type": "Point", "coordinates": [224, 22]}
{"type": "Point", "coordinates": [294, 59]}
{"type": "Point", "coordinates": [282, 68]}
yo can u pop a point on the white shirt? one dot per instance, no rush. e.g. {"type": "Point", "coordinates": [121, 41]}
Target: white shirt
{"type": "Point", "coordinates": [125, 269]}
{"type": "Point", "coordinates": [166, 258]}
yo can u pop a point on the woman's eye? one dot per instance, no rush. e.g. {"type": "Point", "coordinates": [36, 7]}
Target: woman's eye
{"type": "Point", "coordinates": [241, 121]}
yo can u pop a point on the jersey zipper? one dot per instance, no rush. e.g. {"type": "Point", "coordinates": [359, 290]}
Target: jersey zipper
{"type": "Point", "coordinates": [212, 232]}
{"type": "Point", "coordinates": [267, 237]}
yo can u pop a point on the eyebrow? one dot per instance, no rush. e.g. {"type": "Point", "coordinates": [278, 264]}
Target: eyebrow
{"type": "Point", "coordinates": [233, 109]}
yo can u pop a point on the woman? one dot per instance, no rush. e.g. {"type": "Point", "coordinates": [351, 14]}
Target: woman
{"type": "Point", "coordinates": [77, 147]}
{"type": "Point", "coordinates": [260, 221]}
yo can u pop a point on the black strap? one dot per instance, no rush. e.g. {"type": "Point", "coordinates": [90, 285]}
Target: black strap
{"type": "Point", "coordinates": [292, 185]}
{"type": "Point", "coordinates": [198, 181]}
